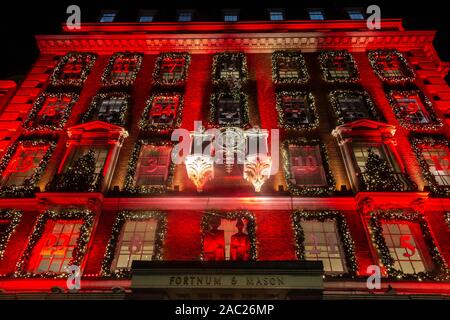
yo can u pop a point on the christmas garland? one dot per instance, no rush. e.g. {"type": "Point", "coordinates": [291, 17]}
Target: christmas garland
{"type": "Point", "coordinates": [340, 116]}
{"type": "Point", "coordinates": [88, 63]}
{"type": "Point", "coordinates": [408, 72]}
{"type": "Point", "coordinates": [26, 189]}
{"type": "Point", "coordinates": [326, 57]}
{"type": "Point", "coordinates": [237, 57]}
{"type": "Point", "coordinates": [171, 55]}
{"type": "Point", "coordinates": [236, 95]}
{"type": "Point", "coordinates": [81, 247]}
{"type": "Point", "coordinates": [447, 217]}
{"type": "Point", "coordinates": [37, 106]}
{"type": "Point", "coordinates": [376, 230]}
{"type": "Point", "coordinates": [122, 116]}
{"type": "Point", "coordinates": [344, 236]}
{"type": "Point", "coordinates": [307, 190]}
{"type": "Point", "coordinates": [122, 218]}
{"type": "Point", "coordinates": [299, 62]}
{"type": "Point", "coordinates": [232, 215]}
{"type": "Point", "coordinates": [417, 144]}
{"type": "Point", "coordinates": [309, 99]}
{"type": "Point", "coordinates": [13, 216]}
{"type": "Point", "coordinates": [106, 77]}
{"type": "Point", "coordinates": [144, 123]}
{"type": "Point", "coordinates": [130, 186]}
{"type": "Point", "coordinates": [401, 115]}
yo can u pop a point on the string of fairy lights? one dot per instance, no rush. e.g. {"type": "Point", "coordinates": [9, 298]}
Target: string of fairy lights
{"type": "Point", "coordinates": [336, 96]}
{"type": "Point", "coordinates": [86, 60]}
{"type": "Point", "coordinates": [107, 78]}
{"type": "Point", "coordinates": [327, 58]}
{"type": "Point", "coordinates": [13, 217]}
{"type": "Point", "coordinates": [173, 57]}
{"type": "Point", "coordinates": [145, 123]}
{"type": "Point", "coordinates": [407, 73]}
{"type": "Point", "coordinates": [308, 98]}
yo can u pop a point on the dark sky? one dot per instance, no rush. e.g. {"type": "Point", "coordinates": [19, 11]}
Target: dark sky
{"type": "Point", "coordinates": [20, 21]}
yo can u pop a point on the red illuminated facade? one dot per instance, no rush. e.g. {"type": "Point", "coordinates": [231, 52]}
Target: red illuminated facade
{"type": "Point", "coordinates": [87, 177]}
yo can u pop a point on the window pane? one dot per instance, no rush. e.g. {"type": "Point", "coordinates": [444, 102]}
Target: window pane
{"type": "Point", "coordinates": [438, 161]}
{"type": "Point", "coordinates": [306, 166]}
{"type": "Point", "coordinates": [153, 165]}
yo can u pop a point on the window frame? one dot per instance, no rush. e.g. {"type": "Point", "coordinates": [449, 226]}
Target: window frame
{"type": "Point", "coordinates": [334, 96]}
{"type": "Point", "coordinates": [88, 63]}
{"type": "Point", "coordinates": [214, 107]}
{"type": "Point", "coordinates": [280, 11]}
{"type": "Point", "coordinates": [181, 13]}
{"type": "Point", "coordinates": [109, 13]}
{"type": "Point", "coordinates": [97, 101]}
{"type": "Point", "coordinates": [241, 68]}
{"type": "Point", "coordinates": [107, 73]}
{"type": "Point", "coordinates": [408, 74]}
{"type": "Point", "coordinates": [322, 14]}
{"type": "Point", "coordinates": [298, 60]}
{"type": "Point", "coordinates": [146, 125]}
{"type": "Point", "coordinates": [157, 73]}
{"type": "Point", "coordinates": [326, 57]}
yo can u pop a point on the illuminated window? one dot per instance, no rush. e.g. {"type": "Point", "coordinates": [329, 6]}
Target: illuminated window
{"type": "Point", "coordinates": [229, 111]}
{"type": "Point", "coordinates": [111, 108]}
{"type": "Point", "coordinates": [153, 165]}
{"type": "Point", "coordinates": [403, 240]}
{"type": "Point", "coordinates": [276, 15]}
{"type": "Point", "coordinates": [108, 16]}
{"type": "Point", "coordinates": [73, 69]}
{"type": "Point", "coordinates": [438, 161]}
{"type": "Point", "coordinates": [101, 153]}
{"type": "Point", "coordinates": [22, 165]}
{"type": "Point", "coordinates": [361, 152]}
{"type": "Point", "coordinates": [123, 68]}
{"type": "Point", "coordinates": [185, 16]}
{"type": "Point", "coordinates": [355, 14]}
{"type": "Point", "coordinates": [229, 66]}
{"type": "Point", "coordinates": [306, 166]}
{"type": "Point", "coordinates": [352, 105]}
{"type": "Point", "coordinates": [230, 15]}
{"type": "Point", "coordinates": [163, 110]}
{"type": "Point", "coordinates": [137, 242]}
{"type": "Point", "coordinates": [147, 15]}
{"type": "Point", "coordinates": [58, 246]}
{"type": "Point", "coordinates": [391, 66]}
{"type": "Point", "coordinates": [316, 14]}
{"type": "Point", "coordinates": [289, 67]}
{"type": "Point", "coordinates": [172, 69]}
{"type": "Point", "coordinates": [322, 243]}
{"type": "Point", "coordinates": [296, 109]}
{"type": "Point", "coordinates": [338, 66]}
{"type": "Point", "coordinates": [51, 112]}
{"type": "Point", "coordinates": [228, 237]}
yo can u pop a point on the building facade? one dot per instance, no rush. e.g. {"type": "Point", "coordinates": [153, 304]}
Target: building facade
{"type": "Point", "coordinates": [362, 152]}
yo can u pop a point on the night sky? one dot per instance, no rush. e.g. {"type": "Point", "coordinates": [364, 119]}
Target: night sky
{"type": "Point", "coordinates": [20, 21]}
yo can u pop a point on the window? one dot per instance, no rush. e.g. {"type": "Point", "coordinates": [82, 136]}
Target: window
{"type": "Point", "coordinates": [58, 246]}
{"type": "Point", "coordinates": [228, 237]}
{"type": "Point", "coordinates": [108, 16]}
{"type": "Point", "coordinates": [355, 14]}
{"type": "Point", "coordinates": [23, 164]}
{"type": "Point", "coordinates": [147, 16]}
{"type": "Point", "coordinates": [352, 105]}
{"type": "Point", "coordinates": [171, 68]}
{"type": "Point", "coordinates": [185, 16]}
{"type": "Point", "coordinates": [228, 109]}
{"type": "Point", "coordinates": [296, 110]}
{"type": "Point", "coordinates": [289, 67]}
{"type": "Point", "coordinates": [230, 15]}
{"type": "Point", "coordinates": [137, 242]}
{"type": "Point", "coordinates": [101, 153]}
{"type": "Point", "coordinates": [306, 166]}
{"type": "Point", "coordinates": [229, 67]}
{"type": "Point", "coordinates": [391, 66]}
{"type": "Point", "coordinates": [153, 165]}
{"type": "Point", "coordinates": [413, 110]}
{"type": "Point", "coordinates": [123, 68]}
{"type": "Point", "coordinates": [322, 243]}
{"type": "Point", "coordinates": [73, 69]}
{"type": "Point", "coordinates": [276, 15]}
{"type": "Point", "coordinates": [338, 66]}
{"type": "Point", "coordinates": [316, 14]}
{"type": "Point", "coordinates": [162, 111]}
{"type": "Point", "coordinates": [50, 111]}
{"type": "Point", "coordinates": [361, 153]}
{"type": "Point", "coordinates": [111, 108]}
{"type": "Point", "coordinates": [438, 162]}
{"type": "Point", "coordinates": [403, 239]}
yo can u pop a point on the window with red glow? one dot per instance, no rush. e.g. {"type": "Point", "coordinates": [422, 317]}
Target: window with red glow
{"type": "Point", "coordinates": [390, 65]}
{"type": "Point", "coordinates": [163, 110]}
{"type": "Point", "coordinates": [306, 166]}
{"type": "Point", "coordinates": [153, 165]}
{"type": "Point", "coordinates": [172, 69]}
{"type": "Point", "coordinates": [22, 165]}
{"type": "Point", "coordinates": [322, 243]}
{"type": "Point", "coordinates": [406, 247]}
{"type": "Point", "coordinates": [124, 68]}
{"type": "Point", "coordinates": [296, 110]}
{"type": "Point", "coordinates": [73, 67]}
{"type": "Point", "coordinates": [137, 242]}
{"type": "Point", "coordinates": [338, 67]}
{"type": "Point", "coordinates": [101, 154]}
{"type": "Point", "coordinates": [52, 111]}
{"type": "Point", "coordinates": [438, 161]}
{"type": "Point", "coordinates": [57, 246]}
{"type": "Point", "coordinates": [411, 108]}
{"type": "Point", "coordinates": [229, 111]}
